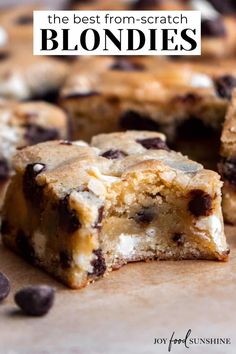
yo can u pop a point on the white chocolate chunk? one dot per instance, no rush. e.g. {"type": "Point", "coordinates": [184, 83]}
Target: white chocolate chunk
{"type": "Point", "coordinates": [207, 10]}
{"type": "Point", "coordinates": [84, 262]}
{"type": "Point", "coordinates": [39, 242]}
{"type": "Point", "coordinates": [38, 167]}
{"type": "Point", "coordinates": [3, 37]}
{"type": "Point", "coordinates": [109, 179]}
{"type": "Point", "coordinates": [14, 87]}
{"type": "Point", "coordinates": [201, 80]}
{"type": "Point", "coordinates": [126, 245]}
{"type": "Point", "coordinates": [80, 143]}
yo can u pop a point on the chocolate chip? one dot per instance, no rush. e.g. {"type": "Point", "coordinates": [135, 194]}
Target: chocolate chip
{"type": "Point", "coordinates": [194, 128]}
{"type": "Point", "coordinates": [65, 259]}
{"type": "Point", "coordinates": [36, 134]}
{"type": "Point", "coordinates": [226, 7]}
{"type": "Point", "coordinates": [145, 215]}
{"type": "Point", "coordinates": [66, 58]}
{"type": "Point", "coordinates": [213, 27]}
{"type": "Point", "coordinates": [5, 227]}
{"type": "Point", "coordinates": [179, 238]}
{"type": "Point", "coordinates": [153, 143]}
{"type": "Point", "coordinates": [133, 120]}
{"type": "Point", "coordinates": [50, 95]}
{"type": "Point", "coordinates": [65, 142]}
{"type": "Point", "coordinates": [35, 300]}
{"type": "Point", "coordinates": [24, 20]}
{"type": "Point", "coordinates": [19, 148]}
{"type": "Point", "coordinates": [81, 94]}
{"type": "Point", "coordinates": [188, 98]}
{"type": "Point", "coordinates": [126, 65]}
{"type": "Point", "coordinates": [4, 56]}
{"type": "Point", "coordinates": [98, 223]}
{"type": "Point", "coordinates": [99, 264]}
{"type": "Point", "coordinates": [226, 252]}
{"type": "Point", "coordinates": [68, 219]}
{"type": "Point", "coordinates": [24, 247]}
{"type": "Point", "coordinates": [145, 4]}
{"type": "Point", "coordinates": [4, 286]}
{"type": "Point", "coordinates": [4, 170]}
{"type": "Point", "coordinates": [225, 85]}
{"type": "Point", "coordinates": [200, 203]}
{"type": "Point", "coordinates": [227, 169]}
{"type": "Point", "coordinates": [31, 189]}
{"type": "Point", "coordinates": [114, 154]}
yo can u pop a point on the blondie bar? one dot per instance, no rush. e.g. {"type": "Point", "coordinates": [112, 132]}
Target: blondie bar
{"type": "Point", "coordinates": [24, 76]}
{"type": "Point", "coordinates": [149, 93]}
{"type": "Point", "coordinates": [23, 124]}
{"type": "Point", "coordinates": [82, 210]}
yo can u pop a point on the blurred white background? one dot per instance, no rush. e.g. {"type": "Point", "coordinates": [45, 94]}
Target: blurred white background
{"type": "Point", "coordinates": [53, 3]}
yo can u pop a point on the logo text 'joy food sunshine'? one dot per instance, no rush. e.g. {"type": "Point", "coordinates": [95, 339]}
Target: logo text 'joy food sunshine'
{"type": "Point", "coordinates": [188, 340]}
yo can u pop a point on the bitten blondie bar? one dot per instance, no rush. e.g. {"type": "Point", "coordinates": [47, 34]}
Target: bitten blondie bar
{"type": "Point", "coordinates": [81, 211]}
{"type": "Point", "coordinates": [227, 166]}
{"type": "Point", "coordinates": [23, 124]}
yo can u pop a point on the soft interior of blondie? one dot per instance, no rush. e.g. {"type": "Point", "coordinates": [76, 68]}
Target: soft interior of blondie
{"type": "Point", "coordinates": [148, 220]}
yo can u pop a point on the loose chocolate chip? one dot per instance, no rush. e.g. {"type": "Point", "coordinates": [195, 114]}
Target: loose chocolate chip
{"type": "Point", "coordinates": [4, 286]}
{"type": "Point", "coordinates": [126, 65]}
{"type": "Point", "coordinates": [4, 170]}
{"type": "Point", "coordinates": [228, 170]}
{"type": "Point", "coordinates": [225, 85]}
{"type": "Point", "coordinates": [99, 264]}
{"type": "Point", "coordinates": [24, 247]}
{"type": "Point", "coordinates": [226, 7]}
{"type": "Point", "coordinates": [35, 300]}
{"type": "Point", "coordinates": [65, 259]}
{"type": "Point", "coordinates": [81, 94]}
{"type": "Point", "coordinates": [179, 238]}
{"type": "Point", "coordinates": [145, 215]}
{"type": "Point", "coordinates": [200, 203]}
{"type": "Point", "coordinates": [5, 227]}
{"type": "Point", "coordinates": [31, 189]}
{"type": "Point", "coordinates": [114, 154]}
{"type": "Point", "coordinates": [98, 223]}
{"type": "Point", "coordinates": [213, 27]}
{"type": "Point", "coordinates": [36, 134]}
{"type": "Point", "coordinates": [153, 143]}
{"type": "Point", "coordinates": [68, 219]}
{"type": "Point", "coordinates": [134, 120]}
{"type": "Point", "coordinates": [65, 142]}
{"type": "Point", "coordinates": [145, 4]}
{"type": "Point", "coordinates": [24, 20]}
